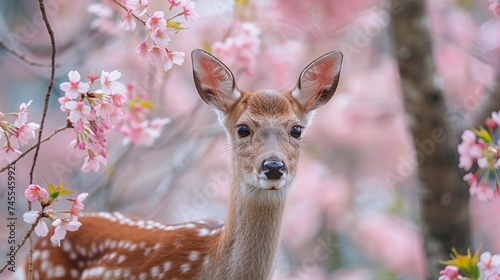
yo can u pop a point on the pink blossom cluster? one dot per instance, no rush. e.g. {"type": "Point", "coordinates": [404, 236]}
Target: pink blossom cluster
{"type": "Point", "coordinates": [15, 134]}
{"type": "Point", "coordinates": [92, 113]}
{"type": "Point", "coordinates": [135, 126]}
{"type": "Point", "coordinates": [488, 265]}
{"type": "Point", "coordinates": [114, 105]}
{"type": "Point", "coordinates": [450, 272]}
{"type": "Point", "coordinates": [481, 148]}
{"type": "Point", "coordinates": [240, 50]}
{"type": "Point", "coordinates": [159, 27]}
{"type": "Point", "coordinates": [35, 193]}
{"type": "Point", "coordinates": [494, 7]}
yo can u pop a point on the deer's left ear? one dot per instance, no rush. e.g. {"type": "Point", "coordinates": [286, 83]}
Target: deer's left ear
{"type": "Point", "coordinates": [318, 81]}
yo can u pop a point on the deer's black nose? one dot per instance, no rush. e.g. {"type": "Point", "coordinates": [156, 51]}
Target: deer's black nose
{"type": "Point", "coordinates": [273, 169]}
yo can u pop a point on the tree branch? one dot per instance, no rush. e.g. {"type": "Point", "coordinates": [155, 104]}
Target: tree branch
{"type": "Point", "coordinates": [125, 8]}
{"type": "Point", "coordinates": [443, 194]}
{"type": "Point", "coordinates": [21, 244]}
{"type": "Point", "coordinates": [51, 83]}
{"type": "Point", "coordinates": [22, 56]}
{"type": "Point", "coordinates": [44, 114]}
{"type": "Point", "coordinates": [33, 147]}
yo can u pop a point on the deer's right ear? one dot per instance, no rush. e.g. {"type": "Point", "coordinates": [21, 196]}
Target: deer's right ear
{"type": "Point", "coordinates": [214, 81]}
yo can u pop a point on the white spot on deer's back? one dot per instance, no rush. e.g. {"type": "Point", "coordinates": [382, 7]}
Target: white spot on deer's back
{"type": "Point", "coordinates": [59, 271]}
{"type": "Point", "coordinates": [66, 246]}
{"type": "Point", "coordinates": [36, 254]}
{"type": "Point", "coordinates": [193, 256]}
{"type": "Point", "coordinates": [155, 271]}
{"type": "Point", "coordinates": [167, 266]}
{"type": "Point", "coordinates": [45, 254]}
{"type": "Point", "coordinates": [185, 267]}
{"type": "Point", "coordinates": [121, 258]}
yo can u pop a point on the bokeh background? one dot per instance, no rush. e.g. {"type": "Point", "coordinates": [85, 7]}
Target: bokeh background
{"type": "Point", "coordinates": [354, 209]}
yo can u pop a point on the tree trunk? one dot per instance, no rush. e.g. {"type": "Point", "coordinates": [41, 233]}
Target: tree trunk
{"type": "Point", "coordinates": [443, 194]}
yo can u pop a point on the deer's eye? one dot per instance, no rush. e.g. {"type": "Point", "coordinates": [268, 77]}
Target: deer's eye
{"type": "Point", "coordinates": [296, 131]}
{"type": "Point", "coordinates": [243, 130]}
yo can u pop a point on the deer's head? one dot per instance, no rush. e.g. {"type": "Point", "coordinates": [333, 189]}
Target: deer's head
{"type": "Point", "coordinates": [265, 127]}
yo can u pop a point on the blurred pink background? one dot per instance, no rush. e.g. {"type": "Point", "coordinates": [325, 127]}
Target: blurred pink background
{"type": "Point", "coordinates": [353, 212]}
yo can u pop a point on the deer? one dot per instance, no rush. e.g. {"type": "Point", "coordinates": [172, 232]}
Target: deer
{"type": "Point", "coordinates": [264, 129]}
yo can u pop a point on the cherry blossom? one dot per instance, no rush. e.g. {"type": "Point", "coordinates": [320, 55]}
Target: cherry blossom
{"type": "Point", "coordinates": [31, 216]}
{"type": "Point", "coordinates": [62, 101]}
{"type": "Point", "coordinates": [135, 127]}
{"type": "Point", "coordinates": [494, 7]}
{"type": "Point", "coordinates": [109, 82]}
{"type": "Point", "coordinates": [142, 50]}
{"type": "Point", "coordinates": [173, 57]}
{"type": "Point", "coordinates": [128, 21]}
{"type": "Point", "coordinates": [77, 111]}
{"type": "Point", "coordinates": [91, 162]}
{"type": "Point", "coordinates": [489, 264]}
{"type": "Point", "coordinates": [468, 150]}
{"type": "Point", "coordinates": [35, 192]}
{"type": "Point", "coordinates": [22, 116]}
{"type": "Point", "coordinates": [78, 201]}
{"type": "Point", "coordinates": [157, 55]}
{"type": "Point", "coordinates": [9, 154]}
{"type": "Point", "coordinates": [482, 192]}
{"type": "Point", "coordinates": [74, 87]}
{"type": "Point", "coordinates": [240, 50]}
{"type": "Point", "coordinates": [23, 134]}
{"type": "Point", "coordinates": [449, 273]}
{"type": "Point", "coordinates": [157, 20]}
{"type": "Point", "coordinates": [174, 3]}
{"type": "Point", "coordinates": [41, 229]}
{"type": "Point", "coordinates": [188, 11]}
{"type": "Point", "coordinates": [61, 227]}
{"type": "Point", "coordinates": [139, 7]}
{"type": "Point", "coordinates": [161, 36]}
{"type": "Point", "coordinates": [15, 133]}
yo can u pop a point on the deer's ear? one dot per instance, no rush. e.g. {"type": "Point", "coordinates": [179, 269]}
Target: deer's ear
{"type": "Point", "coordinates": [318, 81]}
{"type": "Point", "coordinates": [214, 81]}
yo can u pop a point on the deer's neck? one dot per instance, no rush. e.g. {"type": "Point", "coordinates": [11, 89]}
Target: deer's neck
{"type": "Point", "coordinates": [250, 238]}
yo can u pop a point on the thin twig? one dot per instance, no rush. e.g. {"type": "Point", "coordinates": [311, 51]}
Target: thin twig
{"type": "Point", "coordinates": [51, 83]}
{"type": "Point", "coordinates": [125, 8]}
{"type": "Point", "coordinates": [33, 147]}
{"type": "Point", "coordinates": [45, 108]}
{"type": "Point", "coordinates": [28, 234]}
{"type": "Point", "coordinates": [22, 56]}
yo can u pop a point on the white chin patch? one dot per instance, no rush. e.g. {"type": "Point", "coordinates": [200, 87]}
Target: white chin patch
{"type": "Point", "coordinates": [271, 184]}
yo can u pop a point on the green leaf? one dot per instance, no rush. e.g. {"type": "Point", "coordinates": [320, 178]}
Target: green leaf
{"type": "Point", "coordinates": [466, 263]}
{"type": "Point", "coordinates": [175, 25]}
{"type": "Point", "coordinates": [66, 191]}
{"type": "Point", "coordinates": [482, 133]}
{"type": "Point", "coordinates": [55, 192]}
